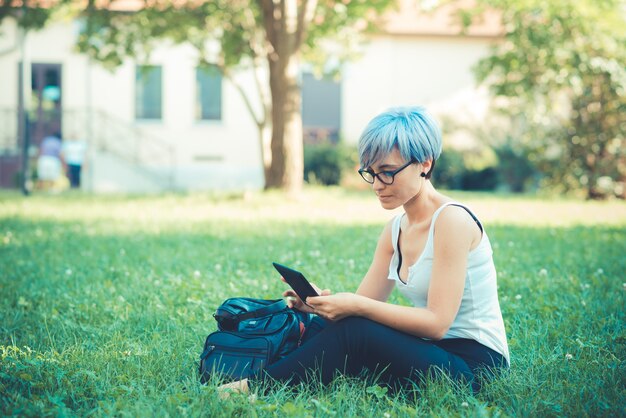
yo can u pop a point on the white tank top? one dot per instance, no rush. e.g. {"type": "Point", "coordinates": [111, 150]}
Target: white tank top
{"type": "Point", "coordinates": [479, 317]}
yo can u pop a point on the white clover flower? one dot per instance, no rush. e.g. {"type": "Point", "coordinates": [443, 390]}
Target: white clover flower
{"type": "Point", "coordinates": [600, 271]}
{"type": "Point", "coordinates": [197, 274]}
{"type": "Point", "coordinates": [68, 272]}
{"type": "Point", "coordinates": [218, 267]}
{"type": "Point", "coordinates": [543, 272]}
{"type": "Point", "coordinates": [568, 356]}
{"type": "Point", "coordinates": [518, 297]}
{"type": "Point", "coordinates": [465, 405]}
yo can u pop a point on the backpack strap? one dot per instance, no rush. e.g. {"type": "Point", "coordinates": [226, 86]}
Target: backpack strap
{"type": "Point", "coordinates": [275, 307]}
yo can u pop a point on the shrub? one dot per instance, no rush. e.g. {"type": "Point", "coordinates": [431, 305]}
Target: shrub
{"type": "Point", "coordinates": [515, 170]}
{"type": "Point", "coordinates": [510, 169]}
{"type": "Point", "coordinates": [325, 163]}
{"type": "Point", "coordinates": [449, 169]}
{"type": "Point", "coordinates": [485, 179]}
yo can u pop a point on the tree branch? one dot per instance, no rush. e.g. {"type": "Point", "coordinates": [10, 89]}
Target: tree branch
{"type": "Point", "coordinates": [305, 17]}
{"type": "Point", "coordinates": [8, 50]}
{"type": "Point", "coordinates": [249, 24]}
{"type": "Point", "coordinates": [267, 7]}
{"type": "Point", "coordinates": [244, 96]}
{"type": "Point", "coordinates": [263, 94]}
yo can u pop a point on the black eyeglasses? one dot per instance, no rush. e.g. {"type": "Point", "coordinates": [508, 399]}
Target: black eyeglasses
{"type": "Point", "coordinates": [385, 177]}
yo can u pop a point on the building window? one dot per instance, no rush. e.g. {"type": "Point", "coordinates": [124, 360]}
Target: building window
{"type": "Point", "coordinates": [321, 109]}
{"type": "Point", "coordinates": [208, 93]}
{"type": "Point", "coordinates": [148, 92]}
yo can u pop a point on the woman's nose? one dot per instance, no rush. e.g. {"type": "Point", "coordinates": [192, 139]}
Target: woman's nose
{"type": "Point", "coordinates": [378, 185]}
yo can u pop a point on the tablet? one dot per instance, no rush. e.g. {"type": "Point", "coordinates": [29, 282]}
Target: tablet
{"type": "Point", "coordinates": [297, 281]}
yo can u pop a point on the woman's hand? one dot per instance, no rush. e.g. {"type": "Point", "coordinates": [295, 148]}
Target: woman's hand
{"type": "Point", "coordinates": [335, 307]}
{"type": "Point", "coordinates": [294, 301]}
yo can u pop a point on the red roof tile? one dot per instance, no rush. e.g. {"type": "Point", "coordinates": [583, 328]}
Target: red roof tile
{"type": "Point", "coordinates": [409, 19]}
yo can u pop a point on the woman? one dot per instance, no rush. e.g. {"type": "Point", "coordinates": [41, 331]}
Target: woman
{"type": "Point", "coordinates": [436, 253]}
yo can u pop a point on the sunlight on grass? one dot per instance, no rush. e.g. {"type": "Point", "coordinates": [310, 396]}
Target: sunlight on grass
{"type": "Point", "coordinates": [106, 301]}
{"type": "Point", "coordinates": [332, 205]}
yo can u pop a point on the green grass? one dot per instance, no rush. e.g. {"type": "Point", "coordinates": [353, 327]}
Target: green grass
{"type": "Point", "coordinates": [106, 301]}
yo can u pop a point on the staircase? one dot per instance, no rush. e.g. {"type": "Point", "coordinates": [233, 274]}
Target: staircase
{"type": "Point", "coordinates": [142, 153]}
{"type": "Point", "coordinates": [120, 152]}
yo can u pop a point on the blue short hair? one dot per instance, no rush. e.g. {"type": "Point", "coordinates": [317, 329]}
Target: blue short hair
{"type": "Point", "coordinates": [412, 130]}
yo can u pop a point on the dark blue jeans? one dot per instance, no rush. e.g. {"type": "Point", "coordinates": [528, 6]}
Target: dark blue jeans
{"type": "Point", "coordinates": [73, 172]}
{"type": "Point", "coordinates": [355, 344]}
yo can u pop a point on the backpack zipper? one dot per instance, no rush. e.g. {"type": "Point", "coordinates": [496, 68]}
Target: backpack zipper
{"type": "Point", "coordinates": [238, 349]}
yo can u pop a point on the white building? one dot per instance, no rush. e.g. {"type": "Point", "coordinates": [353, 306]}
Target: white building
{"type": "Point", "coordinates": [180, 127]}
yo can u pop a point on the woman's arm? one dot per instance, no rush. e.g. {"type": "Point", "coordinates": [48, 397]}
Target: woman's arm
{"type": "Point", "coordinates": [455, 233]}
{"type": "Point", "coordinates": [375, 284]}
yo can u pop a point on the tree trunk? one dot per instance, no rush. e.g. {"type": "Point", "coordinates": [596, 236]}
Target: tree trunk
{"type": "Point", "coordinates": [265, 138]}
{"type": "Point", "coordinates": [287, 167]}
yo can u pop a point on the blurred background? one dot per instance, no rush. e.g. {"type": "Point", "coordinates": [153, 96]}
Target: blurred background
{"type": "Point", "coordinates": [130, 96]}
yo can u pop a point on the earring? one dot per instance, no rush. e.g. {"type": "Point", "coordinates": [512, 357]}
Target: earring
{"type": "Point", "coordinates": [423, 174]}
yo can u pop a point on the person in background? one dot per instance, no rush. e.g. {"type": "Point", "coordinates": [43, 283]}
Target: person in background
{"type": "Point", "coordinates": [50, 161]}
{"type": "Point", "coordinates": [73, 152]}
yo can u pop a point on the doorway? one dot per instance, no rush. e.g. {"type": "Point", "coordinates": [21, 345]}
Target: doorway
{"type": "Point", "coordinates": [45, 115]}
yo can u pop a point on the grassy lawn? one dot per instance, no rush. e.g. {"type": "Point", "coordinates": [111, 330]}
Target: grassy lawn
{"type": "Point", "coordinates": [106, 301]}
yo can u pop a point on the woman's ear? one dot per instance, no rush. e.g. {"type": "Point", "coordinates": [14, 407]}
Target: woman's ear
{"type": "Point", "coordinates": [426, 168]}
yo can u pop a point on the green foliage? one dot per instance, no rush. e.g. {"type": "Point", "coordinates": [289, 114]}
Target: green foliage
{"type": "Point", "coordinates": [268, 37]}
{"type": "Point", "coordinates": [562, 68]}
{"type": "Point", "coordinates": [343, 23]}
{"type": "Point", "coordinates": [449, 170]}
{"type": "Point", "coordinates": [106, 302]}
{"type": "Point", "coordinates": [498, 160]}
{"type": "Point", "coordinates": [485, 179]}
{"type": "Point", "coordinates": [515, 171]}
{"type": "Point", "coordinates": [111, 36]}
{"type": "Point", "coordinates": [465, 170]}
{"type": "Point", "coordinates": [237, 26]}
{"type": "Point", "coordinates": [32, 17]}
{"type": "Point", "coordinates": [325, 163]}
